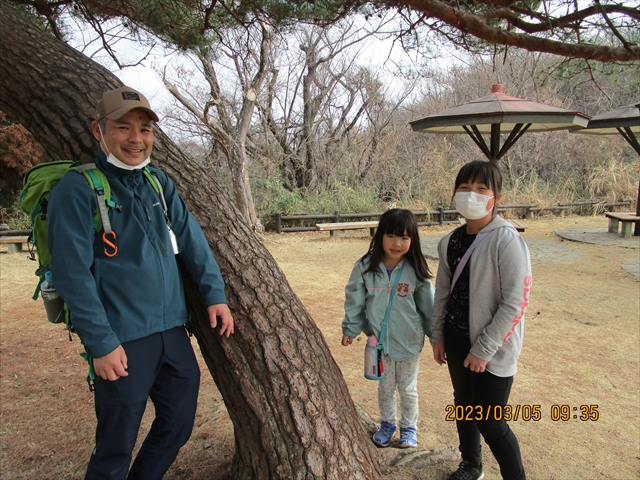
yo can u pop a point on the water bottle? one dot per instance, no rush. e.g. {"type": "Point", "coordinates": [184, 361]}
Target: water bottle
{"type": "Point", "coordinates": [53, 303]}
{"type": "Point", "coordinates": [373, 361]}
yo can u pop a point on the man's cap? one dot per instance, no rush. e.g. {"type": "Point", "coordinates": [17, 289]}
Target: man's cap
{"type": "Point", "coordinates": [116, 103]}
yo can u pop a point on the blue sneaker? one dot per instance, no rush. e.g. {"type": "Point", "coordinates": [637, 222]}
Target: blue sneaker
{"type": "Point", "coordinates": [384, 434]}
{"type": "Point", "coordinates": [408, 437]}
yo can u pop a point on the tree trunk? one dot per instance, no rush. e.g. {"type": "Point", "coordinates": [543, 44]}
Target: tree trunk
{"type": "Point", "coordinates": [241, 184]}
{"type": "Point", "coordinates": [290, 407]}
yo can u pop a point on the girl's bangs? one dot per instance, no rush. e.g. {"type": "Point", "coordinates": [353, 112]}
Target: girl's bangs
{"type": "Point", "coordinates": [396, 225]}
{"type": "Point", "coordinates": [477, 176]}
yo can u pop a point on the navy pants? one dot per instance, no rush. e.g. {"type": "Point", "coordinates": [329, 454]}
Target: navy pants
{"type": "Point", "coordinates": [162, 367]}
{"type": "Point", "coordinates": [483, 390]}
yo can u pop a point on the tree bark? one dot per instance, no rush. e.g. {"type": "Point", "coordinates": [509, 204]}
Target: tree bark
{"type": "Point", "coordinates": [291, 410]}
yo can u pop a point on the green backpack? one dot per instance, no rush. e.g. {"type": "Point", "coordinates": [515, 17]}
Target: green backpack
{"type": "Point", "coordinates": [34, 199]}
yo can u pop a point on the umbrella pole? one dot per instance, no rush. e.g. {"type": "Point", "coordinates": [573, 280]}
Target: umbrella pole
{"type": "Point", "coordinates": [630, 137]}
{"type": "Point", "coordinates": [495, 142]}
{"type": "Point", "coordinates": [636, 231]}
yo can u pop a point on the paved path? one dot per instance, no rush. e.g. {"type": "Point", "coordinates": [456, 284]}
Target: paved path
{"type": "Point", "coordinates": [632, 266]}
{"type": "Point", "coordinates": [549, 252]}
{"type": "Point", "coordinates": [599, 236]}
{"type": "Point", "coordinates": [541, 250]}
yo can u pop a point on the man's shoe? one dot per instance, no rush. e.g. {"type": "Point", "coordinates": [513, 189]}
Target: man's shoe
{"type": "Point", "coordinates": [384, 434]}
{"type": "Point", "coordinates": [467, 471]}
{"type": "Point", "coordinates": [408, 437]}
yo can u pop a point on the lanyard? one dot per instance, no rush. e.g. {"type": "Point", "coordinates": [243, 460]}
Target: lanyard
{"type": "Point", "coordinates": [383, 331]}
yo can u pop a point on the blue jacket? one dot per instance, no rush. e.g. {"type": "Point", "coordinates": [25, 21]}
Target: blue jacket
{"type": "Point", "coordinates": [138, 291]}
{"type": "Point", "coordinates": [367, 297]}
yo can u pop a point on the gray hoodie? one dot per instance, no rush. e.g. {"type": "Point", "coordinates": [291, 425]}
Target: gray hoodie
{"type": "Point", "coordinates": [499, 285]}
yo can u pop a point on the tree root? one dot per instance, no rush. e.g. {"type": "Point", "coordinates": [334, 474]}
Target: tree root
{"type": "Point", "coordinates": [393, 457]}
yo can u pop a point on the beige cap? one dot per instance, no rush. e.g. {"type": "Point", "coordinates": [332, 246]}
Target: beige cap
{"type": "Point", "coordinates": [116, 103]}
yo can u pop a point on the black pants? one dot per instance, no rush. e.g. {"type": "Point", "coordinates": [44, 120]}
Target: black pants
{"type": "Point", "coordinates": [162, 367]}
{"type": "Point", "coordinates": [482, 391]}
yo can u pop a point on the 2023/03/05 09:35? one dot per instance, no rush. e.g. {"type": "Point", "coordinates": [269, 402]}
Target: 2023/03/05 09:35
{"type": "Point", "coordinates": [521, 412]}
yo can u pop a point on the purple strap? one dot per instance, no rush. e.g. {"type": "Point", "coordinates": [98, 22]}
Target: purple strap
{"type": "Point", "coordinates": [465, 258]}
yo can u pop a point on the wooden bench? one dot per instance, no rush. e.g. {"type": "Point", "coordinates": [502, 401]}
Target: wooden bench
{"type": "Point", "coordinates": [561, 209]}
{"type": "Point", "coordinates": [13, 243]}
{"type": "Point", "coordinates": [334, 228]}
{"type": "Point", "coordinates": [626, 218]}
{"type": "Point", "coordinates": [517, 224]}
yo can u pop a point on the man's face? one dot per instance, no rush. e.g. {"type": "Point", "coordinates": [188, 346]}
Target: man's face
{"type": "Point", "coordinates": [129, 139]}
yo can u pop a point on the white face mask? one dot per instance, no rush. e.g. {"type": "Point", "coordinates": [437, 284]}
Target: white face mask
{"type": "Point", "coordinates": [472, 205]}
{"type": "Point", "coordinates": [113, 160]}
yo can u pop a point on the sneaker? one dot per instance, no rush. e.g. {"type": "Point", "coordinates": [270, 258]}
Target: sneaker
{"type": "Point", "coordinates": [384, 434]}
{"type": "Point", "coordinates": [467, 471]}
{"type": "Point", "coordinates": [408, 437]}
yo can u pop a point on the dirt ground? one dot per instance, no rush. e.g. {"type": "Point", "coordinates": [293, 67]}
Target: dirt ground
{"type": "Point", "coordinates": [581, 347]}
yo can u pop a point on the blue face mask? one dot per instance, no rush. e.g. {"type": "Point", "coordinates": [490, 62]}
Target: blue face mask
{"type": "Point", "coordinates": [472, 205]}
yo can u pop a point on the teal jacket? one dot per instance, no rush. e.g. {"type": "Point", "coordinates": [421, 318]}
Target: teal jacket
{"type": "Point", "coordinates": [138, 291]}
{"type": "Point", "coordinates": [367, 297]}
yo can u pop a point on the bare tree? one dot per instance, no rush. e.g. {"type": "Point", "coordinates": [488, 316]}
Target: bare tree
{"type": "Point", "coordinates": [321, 99]}
{"type": "Point", "coordinates": [227, 119]}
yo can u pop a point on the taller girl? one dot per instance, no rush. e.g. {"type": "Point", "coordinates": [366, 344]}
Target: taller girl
{"type": "Point", "coordinates": [478, 322]}
{"type": "Point", "coordinates": [394, 256]}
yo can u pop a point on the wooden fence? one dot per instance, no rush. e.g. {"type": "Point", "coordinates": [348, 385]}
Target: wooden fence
{"type": "Point", "coordinates": [304, 222]}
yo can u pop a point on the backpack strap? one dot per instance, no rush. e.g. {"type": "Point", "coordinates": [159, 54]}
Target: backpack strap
{"type": "Point", "coordinates": [385, 322]}
{"type": "Point", "coordinates": [102, 189]}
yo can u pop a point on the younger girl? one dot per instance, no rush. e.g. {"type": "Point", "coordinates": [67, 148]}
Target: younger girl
{"type": "Point", "coordinates": [479, 323]}
{"type": "Point", "coordinates": [394, 250]}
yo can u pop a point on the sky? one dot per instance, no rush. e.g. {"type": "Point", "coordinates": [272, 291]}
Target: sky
{"type": "Point", "coordinates": [145, 77]}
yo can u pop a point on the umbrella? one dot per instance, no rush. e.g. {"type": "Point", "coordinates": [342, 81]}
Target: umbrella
{"type": "Point", "coordinates": [624, 121]}
{"type": "Point", "coordinates": [499, 113]}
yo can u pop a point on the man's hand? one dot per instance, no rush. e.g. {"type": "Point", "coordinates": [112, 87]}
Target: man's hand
{"type": "Point", "coordinates": [438, 353]}
{"type": "Point", "coordinates": [221, 310]}
{"type": "Point", "coordinates": [112, 366]}
{"type": "Point", "coordinates": [475, 364]}
{"type": "Point", "coordinates": [346, 340]}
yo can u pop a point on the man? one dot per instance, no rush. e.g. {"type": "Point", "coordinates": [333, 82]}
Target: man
{"type": "Point", "coordinates": [125, 294]}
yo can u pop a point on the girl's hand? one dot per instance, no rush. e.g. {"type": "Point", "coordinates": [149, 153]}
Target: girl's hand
{"type": "Point", "coordinates": [475, 364]}
{"type": "Point", "coordinates": [346, 340]}
{"type": "Point", "coordinates": [438, 353]}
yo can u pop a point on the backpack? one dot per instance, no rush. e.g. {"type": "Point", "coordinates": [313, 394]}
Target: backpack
{"type": "Point", "coordinates": [34, 199]}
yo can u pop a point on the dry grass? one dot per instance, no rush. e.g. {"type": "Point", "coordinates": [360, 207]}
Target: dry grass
{"type": "Point", "coordinates": [582, 346]}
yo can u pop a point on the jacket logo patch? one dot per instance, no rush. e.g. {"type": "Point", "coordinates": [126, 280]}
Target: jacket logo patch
{"type": "Point", "coordinates": [403, 290]}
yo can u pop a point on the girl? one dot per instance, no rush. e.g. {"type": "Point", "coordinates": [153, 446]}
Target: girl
{"type": "Point", "coordinates": [394, 250]}
{"type": "Point", "coordinates": [478, 324]}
